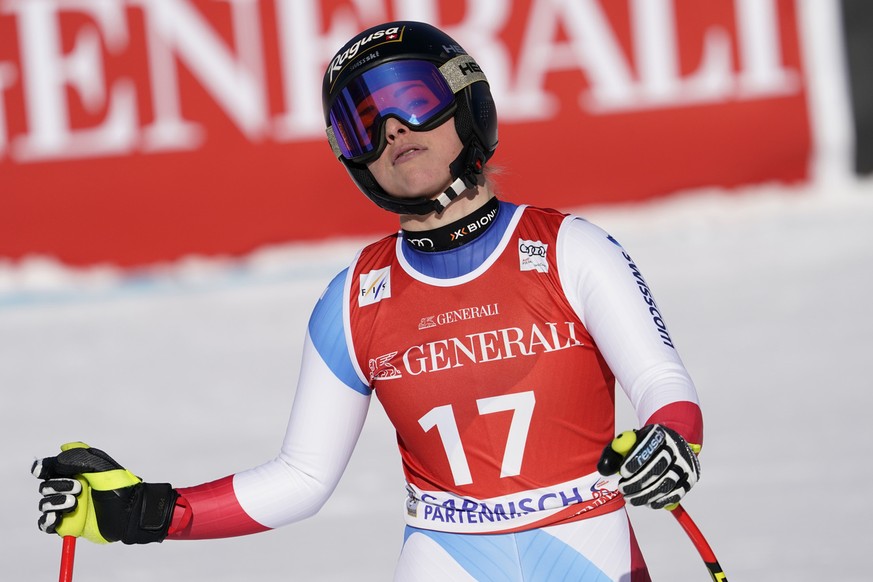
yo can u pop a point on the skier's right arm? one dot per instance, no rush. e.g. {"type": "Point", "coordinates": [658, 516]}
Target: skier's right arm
{"type": "Point", "coordinates": [329, 409]}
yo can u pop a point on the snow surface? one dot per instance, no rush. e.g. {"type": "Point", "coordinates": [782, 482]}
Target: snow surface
{"type": "Point", "coordinates": [186, 373]}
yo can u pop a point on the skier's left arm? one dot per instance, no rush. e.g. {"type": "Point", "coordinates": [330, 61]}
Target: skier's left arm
{"type": "Point", "coordinates": [617, 307]}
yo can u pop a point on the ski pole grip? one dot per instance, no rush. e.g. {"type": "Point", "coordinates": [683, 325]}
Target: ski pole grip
{"type": "Point", "coordinates": [615, 452]}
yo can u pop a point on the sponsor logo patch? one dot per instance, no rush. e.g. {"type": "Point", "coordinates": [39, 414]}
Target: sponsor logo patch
{"type": "Point", "coordinates": [421, 243]}
{"type": "Point", "coordinates": [491, 345]}
{"type": "Point", "coordinates": [460, 314]}
{"type": "Point", "coordinates": [369, 42]}
{"type": "Point", "coordinates": [381, 368]}
{"type": "Point", "coordinates": [374, 286]}
{"type": "Point", "coordinates": [532, 256]}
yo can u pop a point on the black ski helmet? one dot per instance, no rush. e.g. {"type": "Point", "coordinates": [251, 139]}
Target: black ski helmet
{"type": "Point", "coordinates": [471, 104]}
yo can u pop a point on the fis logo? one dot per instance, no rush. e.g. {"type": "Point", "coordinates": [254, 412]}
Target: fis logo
{"type": "Point", "coordinates": [374, 286]}
{"type": "Point", "coordinates": [532, 255]}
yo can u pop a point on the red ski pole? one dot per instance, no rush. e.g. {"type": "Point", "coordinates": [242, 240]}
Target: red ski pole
{"type": "Point", "coordinates": [68, 555]}
{"type": "Point", "coordinates": [610, 461]}
{"type": "Point", "coordinates": [700, 543]}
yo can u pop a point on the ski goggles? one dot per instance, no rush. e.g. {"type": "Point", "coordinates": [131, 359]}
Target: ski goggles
{"type": "Point", "coordinates": [415, 92]}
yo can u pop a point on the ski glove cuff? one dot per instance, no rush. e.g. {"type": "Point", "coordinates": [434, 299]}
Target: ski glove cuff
{"type": "Point", "coordinates": [86, 493]}
{"type": "Point", "coordinates": [657, 466]}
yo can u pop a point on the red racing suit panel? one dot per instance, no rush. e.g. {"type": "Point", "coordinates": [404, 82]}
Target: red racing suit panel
{"type": "Point", "coordinates": [492, 381]}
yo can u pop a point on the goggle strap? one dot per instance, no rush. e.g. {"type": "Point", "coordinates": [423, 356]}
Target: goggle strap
{"type": "Point", "coordinates": [334, 144]}
{"type": "Point", "coordinates": [461, 71]}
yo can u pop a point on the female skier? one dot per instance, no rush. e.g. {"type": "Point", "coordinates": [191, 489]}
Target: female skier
{"type": "Point", "coordinates": [493, 335]}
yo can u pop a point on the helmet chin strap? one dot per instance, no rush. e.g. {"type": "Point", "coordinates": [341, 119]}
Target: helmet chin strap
{"type": "Point", "coordinates": [453, 191]}
{"type": "Point", "coordinates": [468, 167]}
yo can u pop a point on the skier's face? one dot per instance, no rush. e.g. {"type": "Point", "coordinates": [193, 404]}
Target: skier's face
{"type": "Point", "coordinates": [416, 163]}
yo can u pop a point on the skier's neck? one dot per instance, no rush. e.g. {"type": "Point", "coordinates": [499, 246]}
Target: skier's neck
{"type": "Point", "coordinates": [456, 233]}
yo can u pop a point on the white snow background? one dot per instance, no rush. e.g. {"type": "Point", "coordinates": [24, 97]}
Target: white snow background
{"type": "Point", "coordinates": [186, 374]}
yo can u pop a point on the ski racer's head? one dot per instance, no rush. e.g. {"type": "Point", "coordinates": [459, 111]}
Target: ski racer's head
{"type": "Point", "coordinates": [407, 77]}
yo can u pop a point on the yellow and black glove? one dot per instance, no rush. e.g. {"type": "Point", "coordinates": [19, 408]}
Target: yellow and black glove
{"type": "Point", "coordinates": [657, 466]}
{"type": "Point", "coordinates": [87, 494]}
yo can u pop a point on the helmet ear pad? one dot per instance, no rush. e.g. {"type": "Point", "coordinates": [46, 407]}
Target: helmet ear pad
{"type": "Point", "coordinates": [476, 118]}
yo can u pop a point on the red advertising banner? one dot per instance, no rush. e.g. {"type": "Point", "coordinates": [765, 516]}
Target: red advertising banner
{"type": "Point", "coordinates": [138, 131]}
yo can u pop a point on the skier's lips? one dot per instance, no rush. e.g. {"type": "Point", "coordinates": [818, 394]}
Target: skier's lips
{"type": "Point", "coordinates": [407, 152]}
